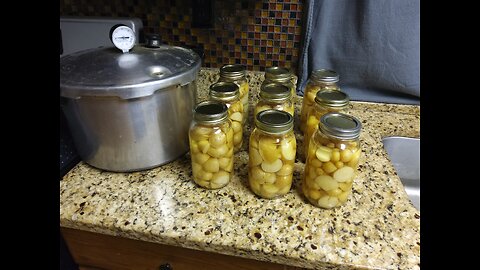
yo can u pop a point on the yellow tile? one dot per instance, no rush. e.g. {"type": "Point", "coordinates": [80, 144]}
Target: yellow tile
{"type": "Point", "coordinates": [268, 63]}
{"type": "Point", "coordinates": [285, 15]}
{"type": "Point", "coordinates": [263, 35]}
{"type": "Point", "coordinates": [244, 54]}
{"type": "Point", "coordinates": [238, 27]}
{"type": "Point", "coordinates": [288, 64]}
{"type": "Point", "coordinates": [291, 22]}
{"type": "Point", "coordinates": [298, 30]}
{"type": "Point", "coordinates": [269, 43]}
{"type": "Point", "coordinates": [262, 56]}
{"type": "Point", "coordinates": [276, 50]}
{"type": "Point", "coordinates": [289, 44]}
{"type": "Point", "coordinates": [258, 28]}
{"type": "Point", "coordinates": [250, 20]}
{"type": "Point", "coordinates": [186, 18]}
{"type": "Point", "coordinates": [258, 4]}
{"type": "Point", "coordinates": [249, 61]}
{"type": "Point", "coordinates": [175, 31]}
{"type": "Point", "coordinates": [264, 13]}
{"type": "Point", "coordinates": [283, 36]}
{"type": "Point", "coordinates": [281, 57]}
{"type": "Point", "coordinates": [237, 48]}
{"type": "Point", "coordinates": [181, 25]}
{"type": "Point", "coordinates": [256, 49]}
{"type": "Point", "coordinates": [295, 52]}
{"type": "Point", "coordinates": [277, 29]}
{"type": "Point", "coordinates": [231, 41]}
{"type": "Point", "coordinates": [279, 7]}
{"type": "Point", "coordinates": [250, 42]}
{"type": "Point", "coordinates": [244, 35]}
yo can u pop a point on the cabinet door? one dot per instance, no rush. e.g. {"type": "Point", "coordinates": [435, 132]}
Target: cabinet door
{"type": "Point", "coordinates": [93, 250]}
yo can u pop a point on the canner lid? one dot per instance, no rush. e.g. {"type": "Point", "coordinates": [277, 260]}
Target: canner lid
{"type": "Point", "coordinates": [138, 73]}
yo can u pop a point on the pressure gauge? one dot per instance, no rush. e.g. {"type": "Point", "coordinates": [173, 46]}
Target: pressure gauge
{"type": "Point", "coordinates": [123, 38]}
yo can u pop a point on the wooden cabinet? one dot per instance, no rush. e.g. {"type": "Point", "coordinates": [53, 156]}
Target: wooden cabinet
{"type": "Point", "coordinates": [97, 251]}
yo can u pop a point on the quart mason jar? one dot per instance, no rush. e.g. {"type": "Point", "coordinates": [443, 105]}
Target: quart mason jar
{"type": "Point", "coordinates": [228, 93]}
{"type": "Point", "coordinates": [321, 79]}
{"type": "Point", "coordinates": [280, 75]}
{"type": "Point", "coordinates": [211, 145]}
{"type": "Point", "coordinates": [274, 96]}
{"type": "Point", "coordinates": [272, 152]}
{"type": "Point", "coordinates": [325, 101]}
{"type": "Point", "coordinates": [236, 74]}
{"type": "Point", "coordinates": [332, 161]}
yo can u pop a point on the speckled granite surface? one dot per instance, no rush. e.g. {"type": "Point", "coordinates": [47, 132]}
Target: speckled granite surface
{"type": "Point", "coordinates": [378, 227]}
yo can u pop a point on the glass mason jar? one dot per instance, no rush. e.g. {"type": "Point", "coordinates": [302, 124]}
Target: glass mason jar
{"type": "Point", "coordinates": [280, 75]}
{"type": "Point", "coordinates": [228, 93]}
{"type": "Point", "coordinates": [272, 152]}
{"type": "Point", "coordinates": [211, 145]}
{"type": "Point", "coordinates": [332, 160]}
{"type": "Point", "coordinates": [321, 79]}
{"type": "Point", "coordinates": [274, 96]}
{"type": "Point", "coordinates": [236, 74]}
{"type": "Point", "coordinates": [325, 101]}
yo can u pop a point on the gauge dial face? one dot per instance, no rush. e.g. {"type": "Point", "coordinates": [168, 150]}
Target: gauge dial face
{"type": "Point", "coordinates": [123, 38]}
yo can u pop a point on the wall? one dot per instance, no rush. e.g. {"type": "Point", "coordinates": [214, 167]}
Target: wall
{"type": "Point", "coordinates": [256, 34]}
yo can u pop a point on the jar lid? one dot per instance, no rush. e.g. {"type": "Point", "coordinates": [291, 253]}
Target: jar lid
{"type": "Point", "coordinates": [233, 72]}
{"type": "Point", "coordinates": [325, 75]}
{"type": "Point", "coordinates": [274, 121]}
{"type": "Point", "coordinates": [275, 92]}
{"type": "Point", "coordinates": [340, 126]}
{"type": "Point", "coordinates": [277, 74]}
{"type": "Point", "coordinates": [107, 71]}
{"type": "Point", "coordinates": [332, 98]}
{"type": "Point", "coordinates": [210, 112]}
{"type": "Point", "coordinates": [224, 91]}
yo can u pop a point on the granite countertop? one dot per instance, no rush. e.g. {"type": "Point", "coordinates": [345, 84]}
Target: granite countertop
{"type": "Point", "coordinates": [377, 228]}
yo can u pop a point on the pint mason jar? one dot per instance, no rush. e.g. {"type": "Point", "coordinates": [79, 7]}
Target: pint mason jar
{"type": "Point", "coordinates": [228, 93]}
{"type": "Point", "coordinates": [321, 79]}
{"type": "Point", "coordinates": [272, 150]}
{"type": "Point", "coordinates": [211, 145]}
{"type": "Point", "coordinates": [325, 101]}
{"type": "Point", "coordinates": [280, 75]}
{"type": "Point", "coordinates": [332, 160]}
{"type": "Point", "coordinates": [236, 74]}
{"type": "Point", "coordinates": [274, 96]}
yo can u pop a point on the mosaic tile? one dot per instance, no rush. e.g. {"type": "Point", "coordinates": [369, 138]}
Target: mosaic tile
{"type": "Point", "coordinates": [254, 33]}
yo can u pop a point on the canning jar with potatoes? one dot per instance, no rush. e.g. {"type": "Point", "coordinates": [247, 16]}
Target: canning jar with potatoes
{"type": "Point", "coordinates": [228, 94]}
{"type": "Point", "coordinates": [280, 75]}
{"type": "Point", "coordinates": [325, 101]}
{"type": "Point", "coordinates": [332, 160]}
{"type": "Point", "coordinates": [274, 96]}
{"type": "Point", "coordinates": [321, 79]}
{"type": "Point", "coordinates": [211, 145]}
{"type": "Point", "coordinates": [272, 152]}
{"type": "Point", "coordinates": [236, 74]}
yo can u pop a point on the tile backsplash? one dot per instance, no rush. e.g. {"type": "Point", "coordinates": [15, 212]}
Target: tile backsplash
{"type": "Point", "coordinates": [254, 33]}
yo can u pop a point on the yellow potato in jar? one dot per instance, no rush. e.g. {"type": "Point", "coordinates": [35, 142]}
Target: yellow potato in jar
{"type": "Point", "coordinates": [258, 175]}
{"type": "Point", "coordinates": [201, 175]}
{"type": "Point", "coordinates": [335, 192]}
{"type": "Point", "coordinates": [311, 96]}
{"type": "Point", "coordinates": [254, 157]}
{"type": "Point", "coordinates": [335, 155]}
{"type": "Point", "coordinates": [346, 155]}
{"type": "Point", "coordinates": [217, 139]}
{"type": "Point", "coordinates": [255, 186]}
{"type": "Point", "coordinates": [315, 194]}
{"type": "Point", "coordinates": [339, 164]}
{"type": "Point", "coordinates": [200, 158]}
{"type": "Point", "coordinates": [203, 146]}
{"type": "Point", "coordinates": [323, 153]}
{"type": "Point", "coordinates": [201, 133]}
{"type": "Point", "coordinates": [329, 167]}
{"type": "Point", "coordinates": [237, 139]}
{"type": "Point", "coordinates": [194, 147]}
{"type": "Point", "coordinates": [196, 167]}
{"type": "Point", "coordinates": [221, 178]}
{"type": "Point", "coordinates": [288, 148]}
{"type": "Point", "coordinates": [343, 197]}
{"type": "Point", "coordinates": [236, 126]}
{"type": "Point", "coordinates": [229, 136]}
{"type": "Point", "coordinates": [284, 190]}
{"type": "Point", "coordinates": [236, 107]}
{"type": "Point", "coordinates": [225, 164]}
{"type": "Point", "coordinates": [272, 167]}
{"type": "Point", "coordinates": [205, 184]}
{"type": "Point", "coordinates": [237, 117]}
{"type": "Point", "coordinates": [282, 181]}
{"type": "Point", "coordinates": [326, 182]}
{"type": "Point", "coordinates": [327, 202]}
{"type": "Point", "coordinates": [218, 152]}
{"type": "Point", "coordinates": [315, 162]}
{"type": "Point", "coordinates": [211, 165]}
{"type": "Point", "coordinates": [345, 186]}
{"type": "Point", "coordinates": [286, 169]}
{"type": "Point", "coordinates": [355, 159]}
{"type": "Point", "coordinates": [268, 149]}
{"type": "Point", "coordinates": [344, 174]}
{"type": "Point", "coordinates": [254, 143]}
{"type": "Point", "coordinates": [270, 188]}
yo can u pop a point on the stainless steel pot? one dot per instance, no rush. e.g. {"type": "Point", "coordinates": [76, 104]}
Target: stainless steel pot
{"type": "Point", "coordinates": [129, 111]}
